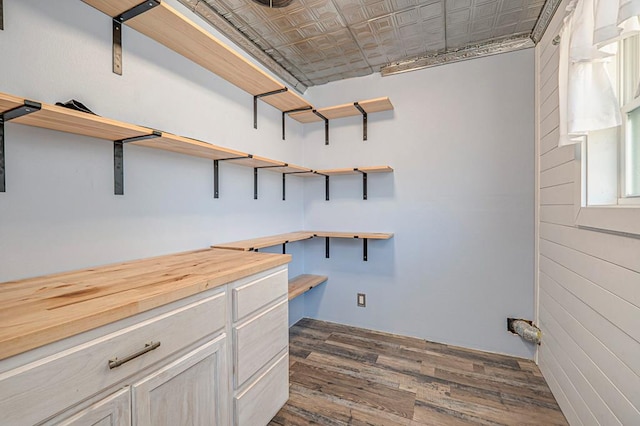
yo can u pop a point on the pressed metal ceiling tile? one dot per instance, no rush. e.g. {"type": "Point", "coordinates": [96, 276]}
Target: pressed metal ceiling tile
{"type": "Point", "coordinates": [481, 25]}
{"type": "Point", "coordinates": [408, 17]}
{"type": "Point", "coordinates": [353, 14]}
{"type": "Point", "coordinates": [403, 4]}
{"type": "Point", "coordinates": [486, 10]}
{"type": "Point", "coordinates": [508, 18]}
{"type": "Point", "coordinates": [459, 16]}
{"type": "Point", "coordinates": [429, 11]}
{"type": "Point", "coordinates": [377, 9]}
{"type": "Point", "coordinates": [324, 40]}
{"type": "Point", "coordinates": [512, 4]}
{"type": "Point", "coordinates": [458, 4]}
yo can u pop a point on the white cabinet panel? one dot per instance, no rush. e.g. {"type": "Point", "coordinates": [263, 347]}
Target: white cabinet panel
{"type": "Point", "coordinates": [262, 399]}
{"type": "Point", "coordinates": [250, 297]}
{"type": "Point", "coordinates": [114, 410]}
{"type": "Point", "coordinates": [259, 340]}
{"type": "Point", "coordinates": [191, 390]}
{"type": "Point", "coordinates": [38, 390]}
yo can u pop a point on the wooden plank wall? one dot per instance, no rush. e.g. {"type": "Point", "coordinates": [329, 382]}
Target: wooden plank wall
{"type": "Point", "coordinates": [589, 282]}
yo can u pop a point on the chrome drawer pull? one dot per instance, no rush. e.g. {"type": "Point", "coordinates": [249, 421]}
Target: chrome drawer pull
{"type": "Point", "coordinates": [113, 363]}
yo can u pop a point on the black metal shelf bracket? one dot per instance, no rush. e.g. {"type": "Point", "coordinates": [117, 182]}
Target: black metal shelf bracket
{"type": "Point", "coordinates": [326, 126]}
{"type": "Point", "coordinates": [326, 247]}
{"type": "Point", "coordinates": [364, 183]}
{"type": "Point", "coordinates": [118, 159]}
{"type": "Point", "coordinates": [28, 108]}
{"type": "Point", "coordinates": [284, 114]}
{"type": "Point", "coordinates": [255, 103]}
{"type": "Point", "coordinates": [117, 30]}
{"type": "Point", "coordinates": [255, 177]}
{"type": "Point", "coordinates": [1, 16]}
{"type": "Point", "coordinates": [284, 181]}
{"type": "Point", "coordinates": [364, 120]}
{"type": "Point", "coordinates": [326, 188]}
{"type": "Point", "coordinates": [364, 249]}
{"type": "Point", "coordinates": [284, 247]}
{"type": "Point", "coordinates": [216, 173]}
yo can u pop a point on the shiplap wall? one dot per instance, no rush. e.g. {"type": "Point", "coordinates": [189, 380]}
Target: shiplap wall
{"type": "Point", "coordinates": [589, 282]}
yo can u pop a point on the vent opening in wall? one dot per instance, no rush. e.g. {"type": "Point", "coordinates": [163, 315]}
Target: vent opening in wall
{"type": "Point", "coordinates": [525, 329]}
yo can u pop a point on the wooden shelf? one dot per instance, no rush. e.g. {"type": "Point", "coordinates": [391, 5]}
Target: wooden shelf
{"type": "Point", "coordinates": [355, 171]}
{"type": "Point", "coordinates": [170, 28]}
{"type": "Point", "coordinates": [274, 240]}
{"type": "Point", "coordinates": [269, 241]}
{"type": "Point", "coordinates": [192, 147]}
{"type": "Point", "coordinates": [362, 235]}
{"type": "Point", "coordinates": [303, 283]}
{"type": "Point", "coordinates": [345, 110]}
{"type": "Point", "coordinates": [63, 119]}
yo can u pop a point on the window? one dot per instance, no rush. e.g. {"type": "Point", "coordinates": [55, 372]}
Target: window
{"type": "Point", "coordinates": [629, 94]}
{"type": "Point", "coordinates": [599, 110]}
{"type": "Point", "coordinates": [611, 157]}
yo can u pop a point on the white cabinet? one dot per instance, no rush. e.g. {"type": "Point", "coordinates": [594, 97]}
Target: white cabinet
{"type": "Point", "coordinates": [261, 345]}
{"type": "Point", "coordinates": [190, 391]}
{"type": "Point", "coordinates": [205, 360]}
{"type": "Point", "coordinates": [114, 410]}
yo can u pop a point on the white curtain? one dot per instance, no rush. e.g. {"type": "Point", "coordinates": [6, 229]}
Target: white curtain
{"type": "Point", "coordinates": [587, 41]}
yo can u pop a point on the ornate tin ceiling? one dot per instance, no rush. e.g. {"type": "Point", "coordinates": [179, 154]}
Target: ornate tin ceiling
{"type": "Point", "coordinates": [313, 42]}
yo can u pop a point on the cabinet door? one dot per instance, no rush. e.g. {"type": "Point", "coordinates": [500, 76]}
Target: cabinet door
{"type": "Point", "coordinates": [114, 410]}
{"type": "Point", "coordinates": [189, 391]}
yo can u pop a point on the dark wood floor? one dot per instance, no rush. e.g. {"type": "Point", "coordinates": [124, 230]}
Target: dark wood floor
{"type": "Point", "coordinates": [343, 375]}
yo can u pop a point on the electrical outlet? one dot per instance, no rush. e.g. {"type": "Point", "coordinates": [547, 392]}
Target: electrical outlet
{"type": "Point", "coordinates": [362, 300]}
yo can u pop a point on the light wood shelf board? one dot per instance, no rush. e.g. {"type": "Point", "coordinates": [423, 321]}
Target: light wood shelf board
{"type": "Point", "coordinates": [173, 30]}
{"type": "Point", "coordinates": [8, 102]}
{"type": "Point", "coordinates": [376, 105]}
{"type": "Point", "coordinates": [305, 117]}
{"type": "Point", "coordinates": [308, 174]}
{"type": "Point", "coordinates": [344, 110]}
{"type": "Point", "coordinates": [291, 168]}
{"type": "Point", "coordinates": [256, 161]}
{"type": "Point", "coordinates": [353, 171]}
{"type": "Point", "coordinates": [368, 235]}
{"type": "Point", "coordinates": [303, 283]}
{"type": "Point", "coordinates": [188, 146]}
{"type": "Point", "coordinates": [63, 119]}
{"type": "Point", "coordinates": [340, 111]}
{"type": "Point", "coordinates": [376, 169]}
{"type": "Point", "coordinates": [263, 242]}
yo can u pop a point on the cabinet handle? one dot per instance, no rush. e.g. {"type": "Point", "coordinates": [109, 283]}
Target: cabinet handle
{"type": "Point", "coordinates": [113, 363]}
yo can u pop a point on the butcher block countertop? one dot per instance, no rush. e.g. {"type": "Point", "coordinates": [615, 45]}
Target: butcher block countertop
{"type": "Point", "coordinates": [42, 310]}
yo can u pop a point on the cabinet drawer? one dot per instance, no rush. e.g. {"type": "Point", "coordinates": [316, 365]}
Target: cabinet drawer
{"type": "Point", "coordinates": [38, 390]}
{"type": "Point", "coordinates": [250, 297]}
{"type": "Point", "coordinates": [259, 340]}
{"type": "Point", "coordinates": [265, 396]}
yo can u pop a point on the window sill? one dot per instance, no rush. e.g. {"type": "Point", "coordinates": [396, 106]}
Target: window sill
{"type": "Point", "coordinates": [623, 219]}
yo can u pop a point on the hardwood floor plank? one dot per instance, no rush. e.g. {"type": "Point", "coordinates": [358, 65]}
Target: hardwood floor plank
{"type": "Point", "coordinates": [342, 375]}
{"type": "Point", "coordinates": [364, 392]}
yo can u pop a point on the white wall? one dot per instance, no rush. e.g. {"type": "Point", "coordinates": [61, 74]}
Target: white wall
{"type": "Point", "coordinates": [460, 203]}
{"type": "Point", "coordinates": [589, 282]}
{"type": "Point", "coordinates": [59, 212]}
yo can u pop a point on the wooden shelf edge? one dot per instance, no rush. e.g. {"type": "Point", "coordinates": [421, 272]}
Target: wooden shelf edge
{"type": "Point", "coordinates": [172, 29]}
{"type": "Point", "coordinates": [360, 235]}
{"type": "Point", "coordinates": [356, 170]}
{"type": "Point", "coordinates": [267, 241]}
{"type": "Point", "coordinates": [370, 106]}
{"type": "Point", "coordinates": [303, 283]}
